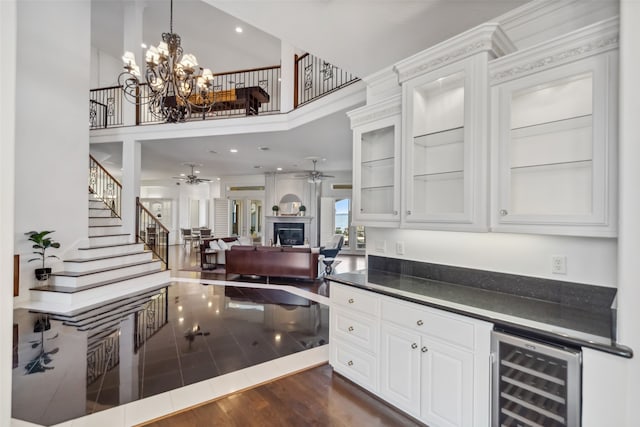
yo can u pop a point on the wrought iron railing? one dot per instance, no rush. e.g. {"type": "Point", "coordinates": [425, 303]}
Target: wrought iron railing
{"type": "Point", "coordinates": [152, 233]}
{"type": "Point", "coordinates": [103, 356]}
{"type": "Point", "coordinates": [316, 77]}
{"type": "Point", "coordinates": [103, 186]}
{"type": "Point", "coordinates": [229, 86]}
{"type": "Point", "coordinates": [153, 316]}
{"type": "Point", "coordinates": [105, 107]}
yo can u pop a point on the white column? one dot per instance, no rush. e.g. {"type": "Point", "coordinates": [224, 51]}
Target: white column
{"type": "Point", "coordinates": [133, 23]}
{"type": "Point", "coordinates": [131, 160]}
{"type": "Point", "coordinates": [287, 76]}
{"type": "Point", "coordinates": [629, 231]}
{"type": "Point", "coordinates": [7, 148]}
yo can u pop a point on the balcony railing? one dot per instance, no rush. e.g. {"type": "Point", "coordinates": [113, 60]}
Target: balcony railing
{"type": "Point", "coordinates": [316, 77]}
{"type": "Point", "coordinates": [313, 78]}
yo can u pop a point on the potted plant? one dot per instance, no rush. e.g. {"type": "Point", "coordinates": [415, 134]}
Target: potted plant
{"type": "Point", "coordinates": [275, 209]}
{"type": "Point", "coordinates": [302, 210]}
{"type": "Point", "coordinates": [41, 244]}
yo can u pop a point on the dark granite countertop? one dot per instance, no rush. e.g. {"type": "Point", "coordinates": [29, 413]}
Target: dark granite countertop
{"type": "Point", "coordinates": [536, 318]}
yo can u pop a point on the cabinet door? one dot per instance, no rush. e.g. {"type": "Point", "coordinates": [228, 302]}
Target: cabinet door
{"type": "Point", "coordinates": [556, 152]}
{"type": "Point", "coordinates": [447, 384]}
{"type": "Point", "coordinates": [377, 171]}
{"type": "Point", "coordinates": [445, 156]}
{"type": "Point", "coordinates": [400, 368]}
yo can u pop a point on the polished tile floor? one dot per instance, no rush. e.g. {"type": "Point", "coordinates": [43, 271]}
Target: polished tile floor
{"type": "Point", "coordinates": [198, 333]}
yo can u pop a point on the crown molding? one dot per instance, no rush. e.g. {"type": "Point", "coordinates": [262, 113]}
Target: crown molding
{"type": "Point", "coordinates": [487, 37]}
{"type": "Point", "coordinates": [591, 40]}
{"type": "Point", "coordinates": [371, 113]}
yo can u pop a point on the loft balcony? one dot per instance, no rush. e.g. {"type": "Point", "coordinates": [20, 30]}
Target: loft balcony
{"type": "Point", "coordinates": [235, 94]}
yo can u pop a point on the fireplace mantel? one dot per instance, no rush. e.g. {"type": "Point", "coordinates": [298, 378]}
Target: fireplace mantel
{"type": "Point", "coordinates": [306, 220]}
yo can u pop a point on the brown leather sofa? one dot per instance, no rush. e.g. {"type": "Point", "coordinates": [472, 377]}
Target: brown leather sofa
{"type": "Point", "coordinates": [298, 263]}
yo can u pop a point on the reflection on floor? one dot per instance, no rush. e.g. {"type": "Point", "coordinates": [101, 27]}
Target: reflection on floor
{"type": "Point", "coordinates": [189, 332]}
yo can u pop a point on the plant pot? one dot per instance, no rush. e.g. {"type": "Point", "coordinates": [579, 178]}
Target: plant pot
{"type": "Point", "coordinates": [43, 273]}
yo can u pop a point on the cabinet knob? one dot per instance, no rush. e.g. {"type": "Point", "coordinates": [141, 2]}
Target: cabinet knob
{"type": "Point", "coordinates": [350, 363]}
{"type": "Point", "coordinates": [350, 300]}
{"type": "Point", "coordinates": [395, 212]}
{"type": "Point", "coordinates": [503, 212]}
{"type": "Point", "coordinates": [350, 328]}
{"type": "Point", "coordinates": [424, 349]}
{"type": "Point", "coordinates": [361, 209]}
{"type": "Point", "coordinates": [408, 212]}
{"type": "Point", "coordinates": [420, 323]}
{"type": "Point", "coordinates": [414, 346]}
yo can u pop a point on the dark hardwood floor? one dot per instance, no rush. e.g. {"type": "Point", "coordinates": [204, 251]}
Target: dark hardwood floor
{"type": "Point", "coordinates": [316, 397]}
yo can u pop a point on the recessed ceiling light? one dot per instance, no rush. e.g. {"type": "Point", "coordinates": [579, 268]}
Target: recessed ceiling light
{"type": "Point", "coordinates": [278, 169]}
{"type": "Point", "coordinates": [218, 179]}
{"type": "Point", "coordinates": [238, 29]}
{"type": "Point", "coordinates": [182, 174]}
{"type": "Point", "coordinates": [263, 148]}
{"type": "Point", "coordinates": [196, 171]}
{"type": "Point", "coordinates": [213, 151]}
{"type": "Point", "coordinates": [233, 150]}
{"type": "Point", "coordinates": [143, 45]}
{"type": "Point", "coordinates": [257, 167]}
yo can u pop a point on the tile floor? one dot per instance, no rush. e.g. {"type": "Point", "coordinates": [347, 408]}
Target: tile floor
{"type": "Point", "coordinates": [219, 337]}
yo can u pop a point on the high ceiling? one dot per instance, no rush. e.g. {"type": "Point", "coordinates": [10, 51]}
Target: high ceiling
{"type": "Point", "coordinates": [360, 36]}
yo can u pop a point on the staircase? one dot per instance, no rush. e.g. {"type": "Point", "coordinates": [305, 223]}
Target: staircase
{"type": "Point", "coordinates": [109, 269]}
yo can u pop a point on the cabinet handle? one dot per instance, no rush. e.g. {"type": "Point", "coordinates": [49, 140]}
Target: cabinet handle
{"type": "Point", "coordinates": [350, 300]}
{"type": "Point", "coordinates": [419, 323]}
{"type": "Point", "coordinates": [424, 349]}
{"type": "Point", "coordinates": [395, 212]}
{"type": "Point", "coordinates": [350, 363]}
{"type": "Point", "coordinates": [408, 212]}
{"type": "Point", "coordinates": [503, 212]}
{"type": "Point", "coordinates": [350, 328]}
{"type": "Point", "coordinates": [414, 346]}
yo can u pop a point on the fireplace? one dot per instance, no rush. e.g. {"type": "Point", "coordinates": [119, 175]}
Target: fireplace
{"type": "Point", "coordinates": [289, 233]}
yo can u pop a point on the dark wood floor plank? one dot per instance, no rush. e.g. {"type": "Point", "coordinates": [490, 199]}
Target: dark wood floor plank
{"type": "Point", "coordinates": [316, 397]}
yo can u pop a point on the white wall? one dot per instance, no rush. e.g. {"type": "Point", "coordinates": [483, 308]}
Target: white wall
{"type": "Point", "coordinates": [52, 136]}
{"type": "Point", "coordinates": [589, 260]}
{"type": "Point", "coordinates": [7, 147]}
{"type": "Point", "coordinates": [105, 69]}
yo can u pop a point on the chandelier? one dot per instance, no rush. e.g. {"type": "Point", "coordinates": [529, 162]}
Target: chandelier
{"type": "Point", "coordinates": [175, 85]}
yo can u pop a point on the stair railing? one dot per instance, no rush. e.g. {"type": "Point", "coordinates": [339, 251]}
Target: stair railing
{"type": "Point", "coordinates": [103, 186]}
{"type": "Point", "coordinates": [152, 233]}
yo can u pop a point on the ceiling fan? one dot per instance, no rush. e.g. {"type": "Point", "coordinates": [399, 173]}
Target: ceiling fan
{"type": "Point", "coordinates": [191, 178]}
{"type": "Point", "coordinates": [314, 176]}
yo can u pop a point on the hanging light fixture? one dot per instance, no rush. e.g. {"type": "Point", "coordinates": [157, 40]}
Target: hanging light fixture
{"type": "Point", "coordinates": [176, 86]}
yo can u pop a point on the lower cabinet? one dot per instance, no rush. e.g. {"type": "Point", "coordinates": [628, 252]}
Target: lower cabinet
{"type": "Point", "coordinates": [431, 364]}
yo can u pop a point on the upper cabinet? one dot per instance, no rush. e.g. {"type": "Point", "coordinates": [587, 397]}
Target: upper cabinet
{"type": "Point", "coordinates": [554, 136]}
{"type": "Point", "coordinates": [445, 95]}
{"type": "Point", "coordinates": [376, 159]}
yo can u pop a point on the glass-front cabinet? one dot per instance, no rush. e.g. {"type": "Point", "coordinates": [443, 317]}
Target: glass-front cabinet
{"type": "Point", "coordinates": [554, 142]}
{"type": "Point", "coordinates": [376, 173]}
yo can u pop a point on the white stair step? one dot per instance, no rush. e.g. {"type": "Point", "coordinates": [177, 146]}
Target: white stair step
{"type": "Point", "coordinates": [75, 279]}
{"type": "Point", "coordinates": [95, 221]}
{"type": "Point", "coordinates": [101, 212]}
{"type": "Point", "coordinates": [109, 250]}
{"type": "Point", "coordinates": [97, 204]}
{"type": "Point", "coordinates": [90, 264]}
{"type": "Point", "coordinates": [113, 239]}
{"type": "Point", "coordinates": [68, 302]}
{"type": "Point", "coordinates": [106, 230]}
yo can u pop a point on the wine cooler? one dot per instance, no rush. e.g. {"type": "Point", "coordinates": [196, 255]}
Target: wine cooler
{"type": "Point", "coordinates": [535, 384]}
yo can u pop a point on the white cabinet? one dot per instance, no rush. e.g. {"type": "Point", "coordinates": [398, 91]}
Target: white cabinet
{"type": "Point", "coordinates": [354, 330]}
{"type": "Point", "coordinates": [445, 93]}
{"type": "Point", "coordinates": [554, 136]}
{"type": "Point", "coordinates": [376, 160]}
{"type": "Point", "coordinates": [429, 363]}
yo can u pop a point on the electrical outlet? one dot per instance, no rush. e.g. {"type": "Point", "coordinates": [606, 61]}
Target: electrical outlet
{"type": "Point", "coordinates": [400, 248]}
{"type": "Point", "coordinates": [559, 264]}
{"type": "Point", "coordinates": [381, 246]}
